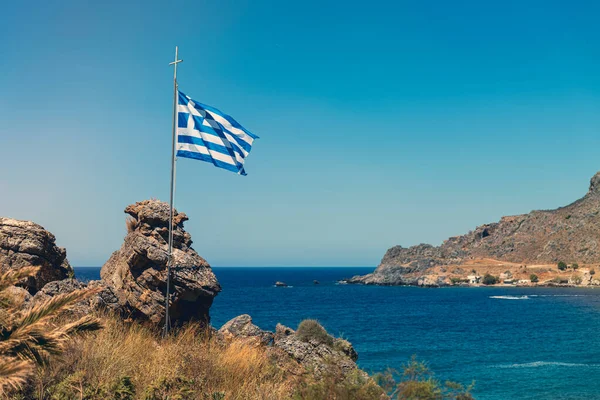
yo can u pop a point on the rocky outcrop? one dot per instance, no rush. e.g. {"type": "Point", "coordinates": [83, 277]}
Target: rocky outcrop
{"type": "Point", "coordinates": [137, 273]}
{"type": "Point", "coordinates": [242, 327]}
{"type": "Point", "coordinates": [570, 234]}
{"type": "Point", "coordinates": [311, 353]}
{"type": "Point", "coordinates": [24, 244]}
{"type": "Point", "coordinates": [316, 355]}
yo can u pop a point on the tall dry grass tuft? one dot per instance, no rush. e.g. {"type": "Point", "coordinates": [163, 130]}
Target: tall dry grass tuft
{"type": "Point", "coordinates": [131, 224]}
{"type": "Point", "coordinates": [29, 336]}
{"type": "Point", "coordinates": [186, 365]}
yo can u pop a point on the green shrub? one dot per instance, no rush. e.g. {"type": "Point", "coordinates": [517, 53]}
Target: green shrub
{"type": "Point", "coordinates": [575, 266]}
{"type": "Point", "coordinates": [562, 265]}
{"type": "Point", "coordinates": [311, 329]}
{"type": "Point", "coordinates": [534, 278]}
{"type": "Point", "coordinates": [559, 280]}
{"type": "Point", "coordinates": [333, 384]}
{"type": "Point", "coordinates": [489, 279]}
{"type": "Point", "coordinates": [592, 271]}
{"type": "Point", "coordinates": [417, 382]}
{"type": "Point", "coordinates": [576, 280]}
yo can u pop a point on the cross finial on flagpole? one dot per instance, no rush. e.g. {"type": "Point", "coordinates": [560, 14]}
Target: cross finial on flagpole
{"type": "Point", "coordinates": [177, 61]}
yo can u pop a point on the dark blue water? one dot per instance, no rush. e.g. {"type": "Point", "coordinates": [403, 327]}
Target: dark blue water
{"type": "Point", "coordinates": [516, 343]}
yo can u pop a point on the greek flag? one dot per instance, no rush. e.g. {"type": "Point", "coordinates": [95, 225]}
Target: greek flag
{"type": "Point", "coordinates": [207, 134]}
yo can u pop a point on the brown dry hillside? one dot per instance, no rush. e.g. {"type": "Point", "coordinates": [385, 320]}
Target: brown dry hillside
{"type": "Point", "coordinates": [544, 237]}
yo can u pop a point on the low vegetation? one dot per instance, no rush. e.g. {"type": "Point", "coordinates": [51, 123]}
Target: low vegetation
{"type": "Point", "coordinates": [128, 361]}
{"type": "Point", "coordinates": [311, 329]}
{"type": "Point", "coordinates": [534, 278]}
{"type": "Point", "coordinates": [457, 280]}
{"type": "Point", "coordinates": [562, 265]}
{"type": "Point", "coordinates": [29, 336]}
{"type": "Point", "coordinates": [417, 382]}
{"type": "Point", "coordinates": [489, 279]}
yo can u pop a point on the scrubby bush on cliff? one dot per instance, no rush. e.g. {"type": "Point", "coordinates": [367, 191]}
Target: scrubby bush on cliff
{"type": "Point", "coordinates": [311, 329]}
{"type": "Point", "coordinates": [592, 271]}
{"type": "Point", "coordinates": [28, 336]}
{"type": "Point", "coordinates": [534, 278]}
{"type": "Point", "coordinates": [417, 382]}
{"type": "Point", "coordinates": [562, 265]}
{"type": "Point", "coordinates": [333, 385]}
{"type": "Point", "coordinates": [489, 279]}
{"type": "Point", "coordinates": [575, 266]}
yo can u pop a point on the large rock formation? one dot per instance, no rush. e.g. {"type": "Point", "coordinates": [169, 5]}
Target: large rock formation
{"type": "Point", "coordinates": [24, 244]}
{"type": "Point", "coordinates": [312, 353]}
{"type": "Point", "coordinates": [570, 234]}
{"type": "Point", "coordinates": [136, 274]}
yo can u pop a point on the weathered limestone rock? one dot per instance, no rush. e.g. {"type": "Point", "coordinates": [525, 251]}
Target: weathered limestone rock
{"type": "Point", "coordinates": [136, 274]}
{"type": "Point", "coordinates": [242, 326]}
{"type": "Point", "coordinates": [25, 244]}
{"type": "Point", "coordinates": [315, 355]}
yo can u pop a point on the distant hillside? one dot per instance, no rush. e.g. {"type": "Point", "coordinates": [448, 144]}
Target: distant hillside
{"type": "Point", "coordinates": [570, 234]}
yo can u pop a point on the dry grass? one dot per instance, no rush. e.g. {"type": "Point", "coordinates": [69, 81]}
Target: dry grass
{"type": "Point", "coordinates": [131, 223]}
{"type": "Point", "coordinates": [186, 365]}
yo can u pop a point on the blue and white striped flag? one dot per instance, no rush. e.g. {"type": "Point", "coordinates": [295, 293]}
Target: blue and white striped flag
{"type": "Point", "coordinates": [207, 134]}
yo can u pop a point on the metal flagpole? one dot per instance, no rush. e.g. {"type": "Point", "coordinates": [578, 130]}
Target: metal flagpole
{"type": "Point", "coordinates": [169, 254]}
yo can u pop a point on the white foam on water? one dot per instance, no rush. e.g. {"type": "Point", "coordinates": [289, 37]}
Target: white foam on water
{"type": "Point", "coordinates": [538, 364]}
{"type": "Point", "coordinates": [510, 297]}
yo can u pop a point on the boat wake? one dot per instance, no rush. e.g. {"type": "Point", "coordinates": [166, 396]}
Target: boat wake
{"type": "Point", "coordinates": [510, 297]}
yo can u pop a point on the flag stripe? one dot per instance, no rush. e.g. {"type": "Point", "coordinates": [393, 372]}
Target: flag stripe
{"type": "Point", "coordinates": [207, 158]}
{"type": "Point", "coordinates": [207, 134]}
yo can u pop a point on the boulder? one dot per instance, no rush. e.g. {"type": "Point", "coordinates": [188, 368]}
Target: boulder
{"type": "Point", "coordinates": [65, 286]}
{"type": "Point", "coordinates": [242, 327]}
{"type": "Point", "coordinates": [25, 244]}
{"type": "Point", "coordinates": [19, 296]}
{"type": "Point", "coordinates": [137, 273]}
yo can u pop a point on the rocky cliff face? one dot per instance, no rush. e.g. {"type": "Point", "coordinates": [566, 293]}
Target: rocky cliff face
{"type": "Point", "coordinates": [570, 234]}
{"type": "Point", "coordinates": [23, 244]}
{"type": "Point", "coordinates": [136, 274]}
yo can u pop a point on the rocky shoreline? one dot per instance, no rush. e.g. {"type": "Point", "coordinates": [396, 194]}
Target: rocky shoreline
{"type": "Point", "coordinates": [133, 286]}
{"type": "Point", "coordinates": [528, 250]}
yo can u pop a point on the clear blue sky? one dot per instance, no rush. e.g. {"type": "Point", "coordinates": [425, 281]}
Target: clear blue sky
{"type": "Point", "coordinates": [381, 123]}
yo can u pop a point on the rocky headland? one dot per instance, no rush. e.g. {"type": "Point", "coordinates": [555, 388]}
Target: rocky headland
{"type": "Point", "coordinates": [132, 290]}
{"type": "Point", "coordinates": [518, 250]}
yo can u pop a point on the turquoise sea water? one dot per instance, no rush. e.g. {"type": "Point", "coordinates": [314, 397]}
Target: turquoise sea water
{"type": "Point", "coordinates": [516, 343]}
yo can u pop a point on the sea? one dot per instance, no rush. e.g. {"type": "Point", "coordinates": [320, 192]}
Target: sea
{"type": "Point", "coordinates": [514, 343]}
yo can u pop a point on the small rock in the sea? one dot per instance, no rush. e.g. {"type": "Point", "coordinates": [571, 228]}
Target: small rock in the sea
{"type": "Point", "coordinates": [280, 284]}
{"type": "Point", "coordinates": [316, 282]}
